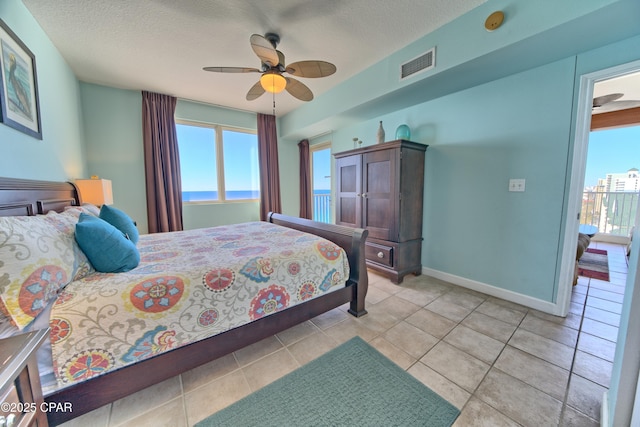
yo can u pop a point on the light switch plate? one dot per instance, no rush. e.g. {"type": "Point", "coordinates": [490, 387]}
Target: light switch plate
{"type": "Point", "coordinates": [516, 184]}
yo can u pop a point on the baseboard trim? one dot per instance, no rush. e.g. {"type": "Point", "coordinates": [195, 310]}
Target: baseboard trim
{"type": "Point", "coordinates": [531, 302]}
{"type": "Point", "coordinates": [604, 410]}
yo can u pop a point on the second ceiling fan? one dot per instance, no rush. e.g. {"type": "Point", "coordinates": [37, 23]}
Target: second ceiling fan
{"type": "Point", "coordinates": [273, 67]}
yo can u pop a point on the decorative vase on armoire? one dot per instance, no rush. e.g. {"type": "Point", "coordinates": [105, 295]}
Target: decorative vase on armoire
{"type": "Point", "coordinates": [380, 134]}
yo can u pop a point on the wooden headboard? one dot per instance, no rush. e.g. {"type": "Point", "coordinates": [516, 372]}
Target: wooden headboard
{"type": "Point", "coordinates": [19, 197]}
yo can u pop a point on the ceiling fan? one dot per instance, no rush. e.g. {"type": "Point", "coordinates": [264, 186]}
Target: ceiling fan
{"type": "Point", "coordinates": [272, 69]}
{"type": "Point", "coordinates": [610, 102]}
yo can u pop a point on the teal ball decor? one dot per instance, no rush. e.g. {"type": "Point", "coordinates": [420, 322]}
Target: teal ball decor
{"type": "Point", "coordinates": [403, 132]}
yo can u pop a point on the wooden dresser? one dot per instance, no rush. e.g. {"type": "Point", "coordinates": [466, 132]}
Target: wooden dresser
{"type": "Point", "coordinates": [21, 401]}
{"type": "Point", "coordinates": [380, 188]}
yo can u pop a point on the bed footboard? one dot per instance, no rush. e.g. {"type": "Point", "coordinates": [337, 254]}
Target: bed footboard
{"type": "Point", "coordinates": [352, 240]}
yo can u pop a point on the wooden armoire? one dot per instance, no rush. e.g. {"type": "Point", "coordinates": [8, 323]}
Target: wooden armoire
{"type": "Point", "coordinates": [380, 188]}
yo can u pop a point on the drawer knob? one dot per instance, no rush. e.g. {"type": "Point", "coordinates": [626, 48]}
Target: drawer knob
{"type": "Point", "coordinates": [380, 255]}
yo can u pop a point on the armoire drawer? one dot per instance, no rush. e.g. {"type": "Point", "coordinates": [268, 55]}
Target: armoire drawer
{"type": "Point", "coordinates": [380, 254]}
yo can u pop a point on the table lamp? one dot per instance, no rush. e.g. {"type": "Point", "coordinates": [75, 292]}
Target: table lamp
{"type": "Point", "coordinates": [95, 191]}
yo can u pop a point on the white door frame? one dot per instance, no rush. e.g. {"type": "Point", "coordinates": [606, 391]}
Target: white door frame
{"type": "Point", "coordinates": [576, 186]}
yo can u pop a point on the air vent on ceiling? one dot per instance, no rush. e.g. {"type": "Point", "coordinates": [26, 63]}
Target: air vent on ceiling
{"type": "Point", "coordinates": [424, 62]}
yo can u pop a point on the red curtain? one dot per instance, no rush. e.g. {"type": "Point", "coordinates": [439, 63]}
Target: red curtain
{"type": "Point", "coordinates": [269, 170]}
{"type": "Point", "coordinates": [161, 163]}
{"type": "Point", "coordinates": [306, 210]}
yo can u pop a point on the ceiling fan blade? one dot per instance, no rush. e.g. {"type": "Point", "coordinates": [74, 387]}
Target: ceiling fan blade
{"type": "Point", "coordinates": [264, 49]}
{"type": "Point", "coordinates": [311, 69]}
{"type": "Point", "coordinates": [255, 92]}
{"type": "Point", "coordinates": [604, 99]}
{"type": "Point", "coordinates": [616, 106]}
{"type": "Point", "coordinates": [298, 89]}
{"type": "Point", "coordinates": [232, 69]}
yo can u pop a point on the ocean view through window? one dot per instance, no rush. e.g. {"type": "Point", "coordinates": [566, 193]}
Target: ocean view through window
{"type": "Point", "coordinates": [218, 164]}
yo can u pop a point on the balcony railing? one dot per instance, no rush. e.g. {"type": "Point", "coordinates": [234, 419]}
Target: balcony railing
{"type": "Point", "coordinates": [612, 212]}
{"type": "Point", "coordinates": [322, 207]}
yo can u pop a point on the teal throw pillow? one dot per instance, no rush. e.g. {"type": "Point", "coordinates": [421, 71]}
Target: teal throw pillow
{"type": "Point", "coordinates": [106, 247]}
{"type": "Point", "coordinates": [121, 221]}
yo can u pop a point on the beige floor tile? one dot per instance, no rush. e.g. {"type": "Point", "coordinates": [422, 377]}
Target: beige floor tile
{"type": "Point", "coordinates": [349, 328]}
{"type": "Point", "coordinates": [597, 346]}
{"type": "Point", "coordinates": [450, 311]}
{"type": "Point", "coordinates": [448, 390]}
{"type": "Point", "coordinates": [297, 332]}
{"type": "Point", "coordinates": [606, 295]}
{"type": "Point", "coordinates": [544, 348]}
{"type": "Point", "coordinates": [508, 304]}
{"type": "Point", "coordinates": [398, 307]}
{"type": "Point", "coordinates": [476, 344]}
{"type": "Point", "coordinates": [268, 369]}
{"type": "Point", "coordinates": [603, 316]}
{"type": "Point", "coordinates": [253, 352]}
{"type": "Point", "coordinates": [456, 365]}
{"type": "Point", "coordinates": [431, 323]}
{"type": "Point", "coordinates": [519, 401]}
{"type": "Point", "coordinates": [145, 400]}
{"type": "Point", "coordinates": [550, 330]}
{"type": "Point", "coordinates": [170, 414]}
{"type": "Point", "coordinates": [476, 413]}
{"type": "Point", "coordinates": [593, 368]}
{"type": "Point", "coordinates": [603, 304]}
{"type": "Point", "coordinates": [378, 320]}
{"type": "Point", "coordinates": [572, 321]}
{"type": "Point", "coordinates": [600, 329]}
{"type": "Point", "coordinates": [330, 318]}
{"type": "Point", "coordinates": [418, 296]}
{"type": "Point", "coordinates": [490, 326]}
{"type": "Point", "coordinates": [585, 396]}
{"type": "Point", "coordinates": [208, 372]}
{"type": "Point", "coordinates": [311, 347]}
{"type": "Point", "coordinates": [464, 299]}
{"type": "Point", "coordinates": [393, 353]}
{"type": "Point", "coordinates": [375, 295]}
{"type": "Point", "coordinates": [215, 395]}
{"type": "Point", "coordinates": [500, 312]}
{"type": "Point", "coordinates": [95, 418]}
{"type": "Point", "coordinates": [536, 372]}
{"type": "Point", "coordinates": [410, 339]}
{"type": "Point", "coordinates": [573, 418]}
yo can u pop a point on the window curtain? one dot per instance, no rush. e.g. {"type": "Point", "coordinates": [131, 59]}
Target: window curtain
{"type": "Point", "coordinates": [269, 171]}
{"type": "Point", "coordinates": [306, 210]}
{"type": "Point", "coordinates": [161, 163]}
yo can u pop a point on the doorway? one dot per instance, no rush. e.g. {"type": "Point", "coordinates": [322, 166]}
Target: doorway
{"type": "Point", "coordinates": [626, 366]}
{"type": "Point", "coordinates": [578, 168]}
{"type": "Point", "coordinates": [320, 158]}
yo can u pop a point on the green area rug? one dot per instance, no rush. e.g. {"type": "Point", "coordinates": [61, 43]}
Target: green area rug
{"type": "Point", "coordinates": [352, 385]}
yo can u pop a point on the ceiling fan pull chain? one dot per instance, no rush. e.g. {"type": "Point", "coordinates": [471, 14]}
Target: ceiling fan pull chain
{"type": "Point", "coordinates": [274, 104]}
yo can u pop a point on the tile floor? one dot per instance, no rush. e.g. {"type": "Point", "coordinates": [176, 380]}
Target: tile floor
{"type": "Point", "coordinates": [500, 363]}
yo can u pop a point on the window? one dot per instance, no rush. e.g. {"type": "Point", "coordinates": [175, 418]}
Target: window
{"type": "Point", "coordinates": [217, 163]}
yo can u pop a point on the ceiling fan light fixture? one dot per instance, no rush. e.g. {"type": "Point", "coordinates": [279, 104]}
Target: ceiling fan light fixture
{"type": "Point", "coordinates": [273, 82]}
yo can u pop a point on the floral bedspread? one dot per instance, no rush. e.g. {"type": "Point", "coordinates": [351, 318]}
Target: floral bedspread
{"type": "Point", "coordinates": [189, 285]}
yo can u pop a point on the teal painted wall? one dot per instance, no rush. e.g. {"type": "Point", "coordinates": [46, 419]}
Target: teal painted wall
{"type": "Point", "coordinates": [59, 156]}
{"type": "Point", "coordinates": [113, 130]}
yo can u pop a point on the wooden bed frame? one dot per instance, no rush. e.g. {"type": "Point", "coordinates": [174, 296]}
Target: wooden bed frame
{"type": "Point", "coordinates": [28, 197]}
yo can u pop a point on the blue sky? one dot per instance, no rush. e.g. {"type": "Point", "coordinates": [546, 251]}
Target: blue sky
{"type": "Point", "coordinates": [612, 151]}
{"type": "Point", "coordinates": [322, 169]}
{"type": "Point", "coordinates": [198, 159]}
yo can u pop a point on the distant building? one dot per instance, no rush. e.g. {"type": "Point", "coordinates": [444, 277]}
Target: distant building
{"type": "Point", "coordinates": [619, 182]}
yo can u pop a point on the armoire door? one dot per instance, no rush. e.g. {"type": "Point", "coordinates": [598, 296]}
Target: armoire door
{"type": "Point", "coordinates": [349, 191]}
{"type": "Point", "coordinates": [380, 193]}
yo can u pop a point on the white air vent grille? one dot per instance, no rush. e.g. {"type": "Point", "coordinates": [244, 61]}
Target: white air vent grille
{"type": "Point", "coordinates": [424, 62]}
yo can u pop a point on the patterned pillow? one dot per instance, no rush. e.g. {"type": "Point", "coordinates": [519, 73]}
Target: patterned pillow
{"type": "Point", "coordinates": [38, 257]}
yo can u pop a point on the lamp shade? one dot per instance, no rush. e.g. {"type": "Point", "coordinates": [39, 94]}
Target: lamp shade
{"type": "Point", "coordinates": [273, 82]}
{"type": "Point", "coordinates": [95, 191]}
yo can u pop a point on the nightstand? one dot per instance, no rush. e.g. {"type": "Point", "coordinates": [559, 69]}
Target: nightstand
{"type": "Point", "coordinates": [20, 393]}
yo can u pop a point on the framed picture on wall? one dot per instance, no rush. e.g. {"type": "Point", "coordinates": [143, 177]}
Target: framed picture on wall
{"type": "Point", "coordinates": [18, 85]}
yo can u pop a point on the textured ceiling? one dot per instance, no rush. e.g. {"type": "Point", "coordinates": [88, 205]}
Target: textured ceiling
{"type": "Point", "coordinates": [162, 45]}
